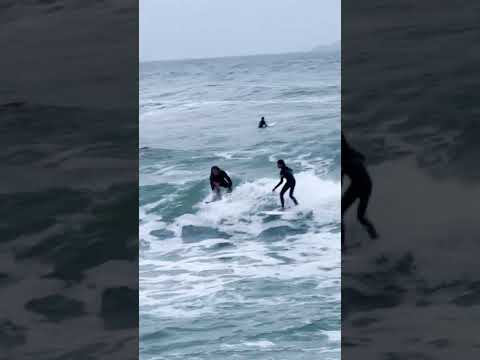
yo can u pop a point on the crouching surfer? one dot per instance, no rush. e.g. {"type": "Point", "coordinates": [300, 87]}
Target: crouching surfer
{"type": "Point", "coordinates": [219, 179]}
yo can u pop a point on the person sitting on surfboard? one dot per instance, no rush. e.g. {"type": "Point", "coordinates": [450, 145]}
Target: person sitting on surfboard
{"type": "Point", "coordinates": [360, 187]}
{"type": "Point", "coordinates": [218, 179]}
{"type": "Point", "coordinates": [262, 123]}
{"type": "Point", "coordinates": [287, 174]}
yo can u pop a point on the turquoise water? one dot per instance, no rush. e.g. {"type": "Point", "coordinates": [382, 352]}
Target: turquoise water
{"type": "Point", "coordinates": [225, 280]}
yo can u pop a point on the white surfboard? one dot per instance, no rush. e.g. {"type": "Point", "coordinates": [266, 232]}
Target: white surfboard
{"type": "Point", "coordinates": [273, 212]}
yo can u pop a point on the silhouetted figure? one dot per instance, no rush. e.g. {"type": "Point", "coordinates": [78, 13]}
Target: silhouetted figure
{"type": "Point", "coordinates": [286, 174]}
{"type": "Point", "coordinates": [262, 123]}
{"type": "Point", "coordinates": [218, 179]}
{"type": "Point", "coordinates": [360, 187]}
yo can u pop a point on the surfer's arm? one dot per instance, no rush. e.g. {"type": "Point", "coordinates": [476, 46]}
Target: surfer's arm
{"type": "Point", "coordinates": [229, 181]}
{"type": "Point", "coordinates": [357, 154]}
{"type": "Point", "coordinates": [280, 183]}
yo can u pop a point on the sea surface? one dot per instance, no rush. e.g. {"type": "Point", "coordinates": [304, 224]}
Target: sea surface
{"type": "Point", "coordinates": [69, 180]}
{"type": "Point", "coordinates": [225, 280]}
{"type": "Point", "coordinates": [413, 112]}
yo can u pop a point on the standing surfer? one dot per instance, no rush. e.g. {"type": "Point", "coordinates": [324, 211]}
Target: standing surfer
{"type": "Point", "coordinates": [218, 179]}
{"type": "Point", "coordinates": [287, 174]}
{"type": "Point", "coordinates": [360, 187]}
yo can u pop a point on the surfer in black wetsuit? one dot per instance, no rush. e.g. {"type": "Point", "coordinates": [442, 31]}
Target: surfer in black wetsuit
{"type": "Point", "coordinates": [262, 123]}
{"type": "Point", "coordinates": [218, 179]}
{"type": "Point", "coordinates": [360, 187]}
{"type": "Point", "coordinates": [287, 174]}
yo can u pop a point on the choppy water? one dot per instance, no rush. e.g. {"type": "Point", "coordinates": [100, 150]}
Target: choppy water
{"type": "Point", "coordinates": [414, 293]}
{"type": "Point", "coordinates": [224, 280]}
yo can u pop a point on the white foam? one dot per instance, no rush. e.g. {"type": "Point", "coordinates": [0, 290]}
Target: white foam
{"type": "Point", "coordinates": [150, 221]}
{"type": "Point", "coordinates": [197, 275]}
{"type": "Point", "coordinates": [241, 210]}
{"type": "Point", "coordinates": [333, 336]}
{"type": "Point", "coordinates": [263, 344]}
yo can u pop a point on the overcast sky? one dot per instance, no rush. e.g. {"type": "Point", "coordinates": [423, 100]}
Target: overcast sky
{"type": "Point", "coordinates": [179, 29]}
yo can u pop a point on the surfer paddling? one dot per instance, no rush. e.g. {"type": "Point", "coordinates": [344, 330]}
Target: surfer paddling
{"type": "Point", "coordinates": [219, 179]}
{"type": "Point", "coordinates": [262, 123]}
{"type": "Point", "coordinates": [286, 174]}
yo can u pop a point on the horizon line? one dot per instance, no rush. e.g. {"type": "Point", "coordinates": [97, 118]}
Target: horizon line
{"type": "Point", "coordinates": [312, 50]}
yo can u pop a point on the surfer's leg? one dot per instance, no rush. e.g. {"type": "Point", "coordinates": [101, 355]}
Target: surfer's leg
{"type": "Point", "coordinates": [225, 185]}
{"type": "Point", "coordinates": [218, 193]}
{"type": "Point", "coordinates": [282, 193]}
{"type": "Point", "coordinates": [348, 198]}
{"type": "Point", "coordinates": [361, 213]}
{"type": "Point", "coordinates": [292, 188]}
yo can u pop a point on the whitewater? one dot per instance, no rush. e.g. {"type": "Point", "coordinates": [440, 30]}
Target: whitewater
{"type": "Point", "coordinates": [226, 280]}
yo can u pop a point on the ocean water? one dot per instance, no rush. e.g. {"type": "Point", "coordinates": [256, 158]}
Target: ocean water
{"type": "Point", "coordinates": [225, 280]}
{"type": "Point", "coordinates": [68, 226]}
{"type": "Point", "coordinates": [69, 184]}
{"type": "Point", "coordinates": [414, 293]}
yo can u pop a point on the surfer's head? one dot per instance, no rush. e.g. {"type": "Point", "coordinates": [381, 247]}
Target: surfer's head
{"type": "Point", "coordinates": [263, 118]}
{"type": "Point", "coordinates": [215, 170]}
{"type": "Point", "coordinates": [281, 164]}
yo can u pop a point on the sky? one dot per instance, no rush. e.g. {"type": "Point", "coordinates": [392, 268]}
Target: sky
{"type": "Point", "coordinates": [183, 29]}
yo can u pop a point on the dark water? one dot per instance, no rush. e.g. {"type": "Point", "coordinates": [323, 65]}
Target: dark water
{"type": "Point", "coordinates": [409, 103]}
{"type": "Point", "coordinates": [69, 179]}
{"type": "Point", "coordinates": [64, 230]}
{"type": "Point", "coordinates": [225, 280]}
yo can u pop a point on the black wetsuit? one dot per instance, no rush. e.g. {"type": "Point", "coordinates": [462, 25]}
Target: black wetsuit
{"type": "Point", "coordinates": [262, 124]}
{"type": "Point", "coordinates": [222, 179]}
{"type": "Point", "coordinates": [287, 174]}
{"type": "Point", "coordinates": [360, 186]}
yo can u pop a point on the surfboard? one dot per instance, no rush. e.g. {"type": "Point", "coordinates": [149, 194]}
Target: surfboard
{"type": "Point", "coordinates": [212, 200]}
{"type": "Point", "coordinates": [215, 198]}
{"type": "Point", "coordinates": [273, 212]}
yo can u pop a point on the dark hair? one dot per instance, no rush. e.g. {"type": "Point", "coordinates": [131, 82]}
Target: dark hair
{"type": "Point", "coordinates": [214, 168]}
{"type": "Point", "coordinates": [263, 117]}
{"type": "Point", "coordinates": [281, 162]}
